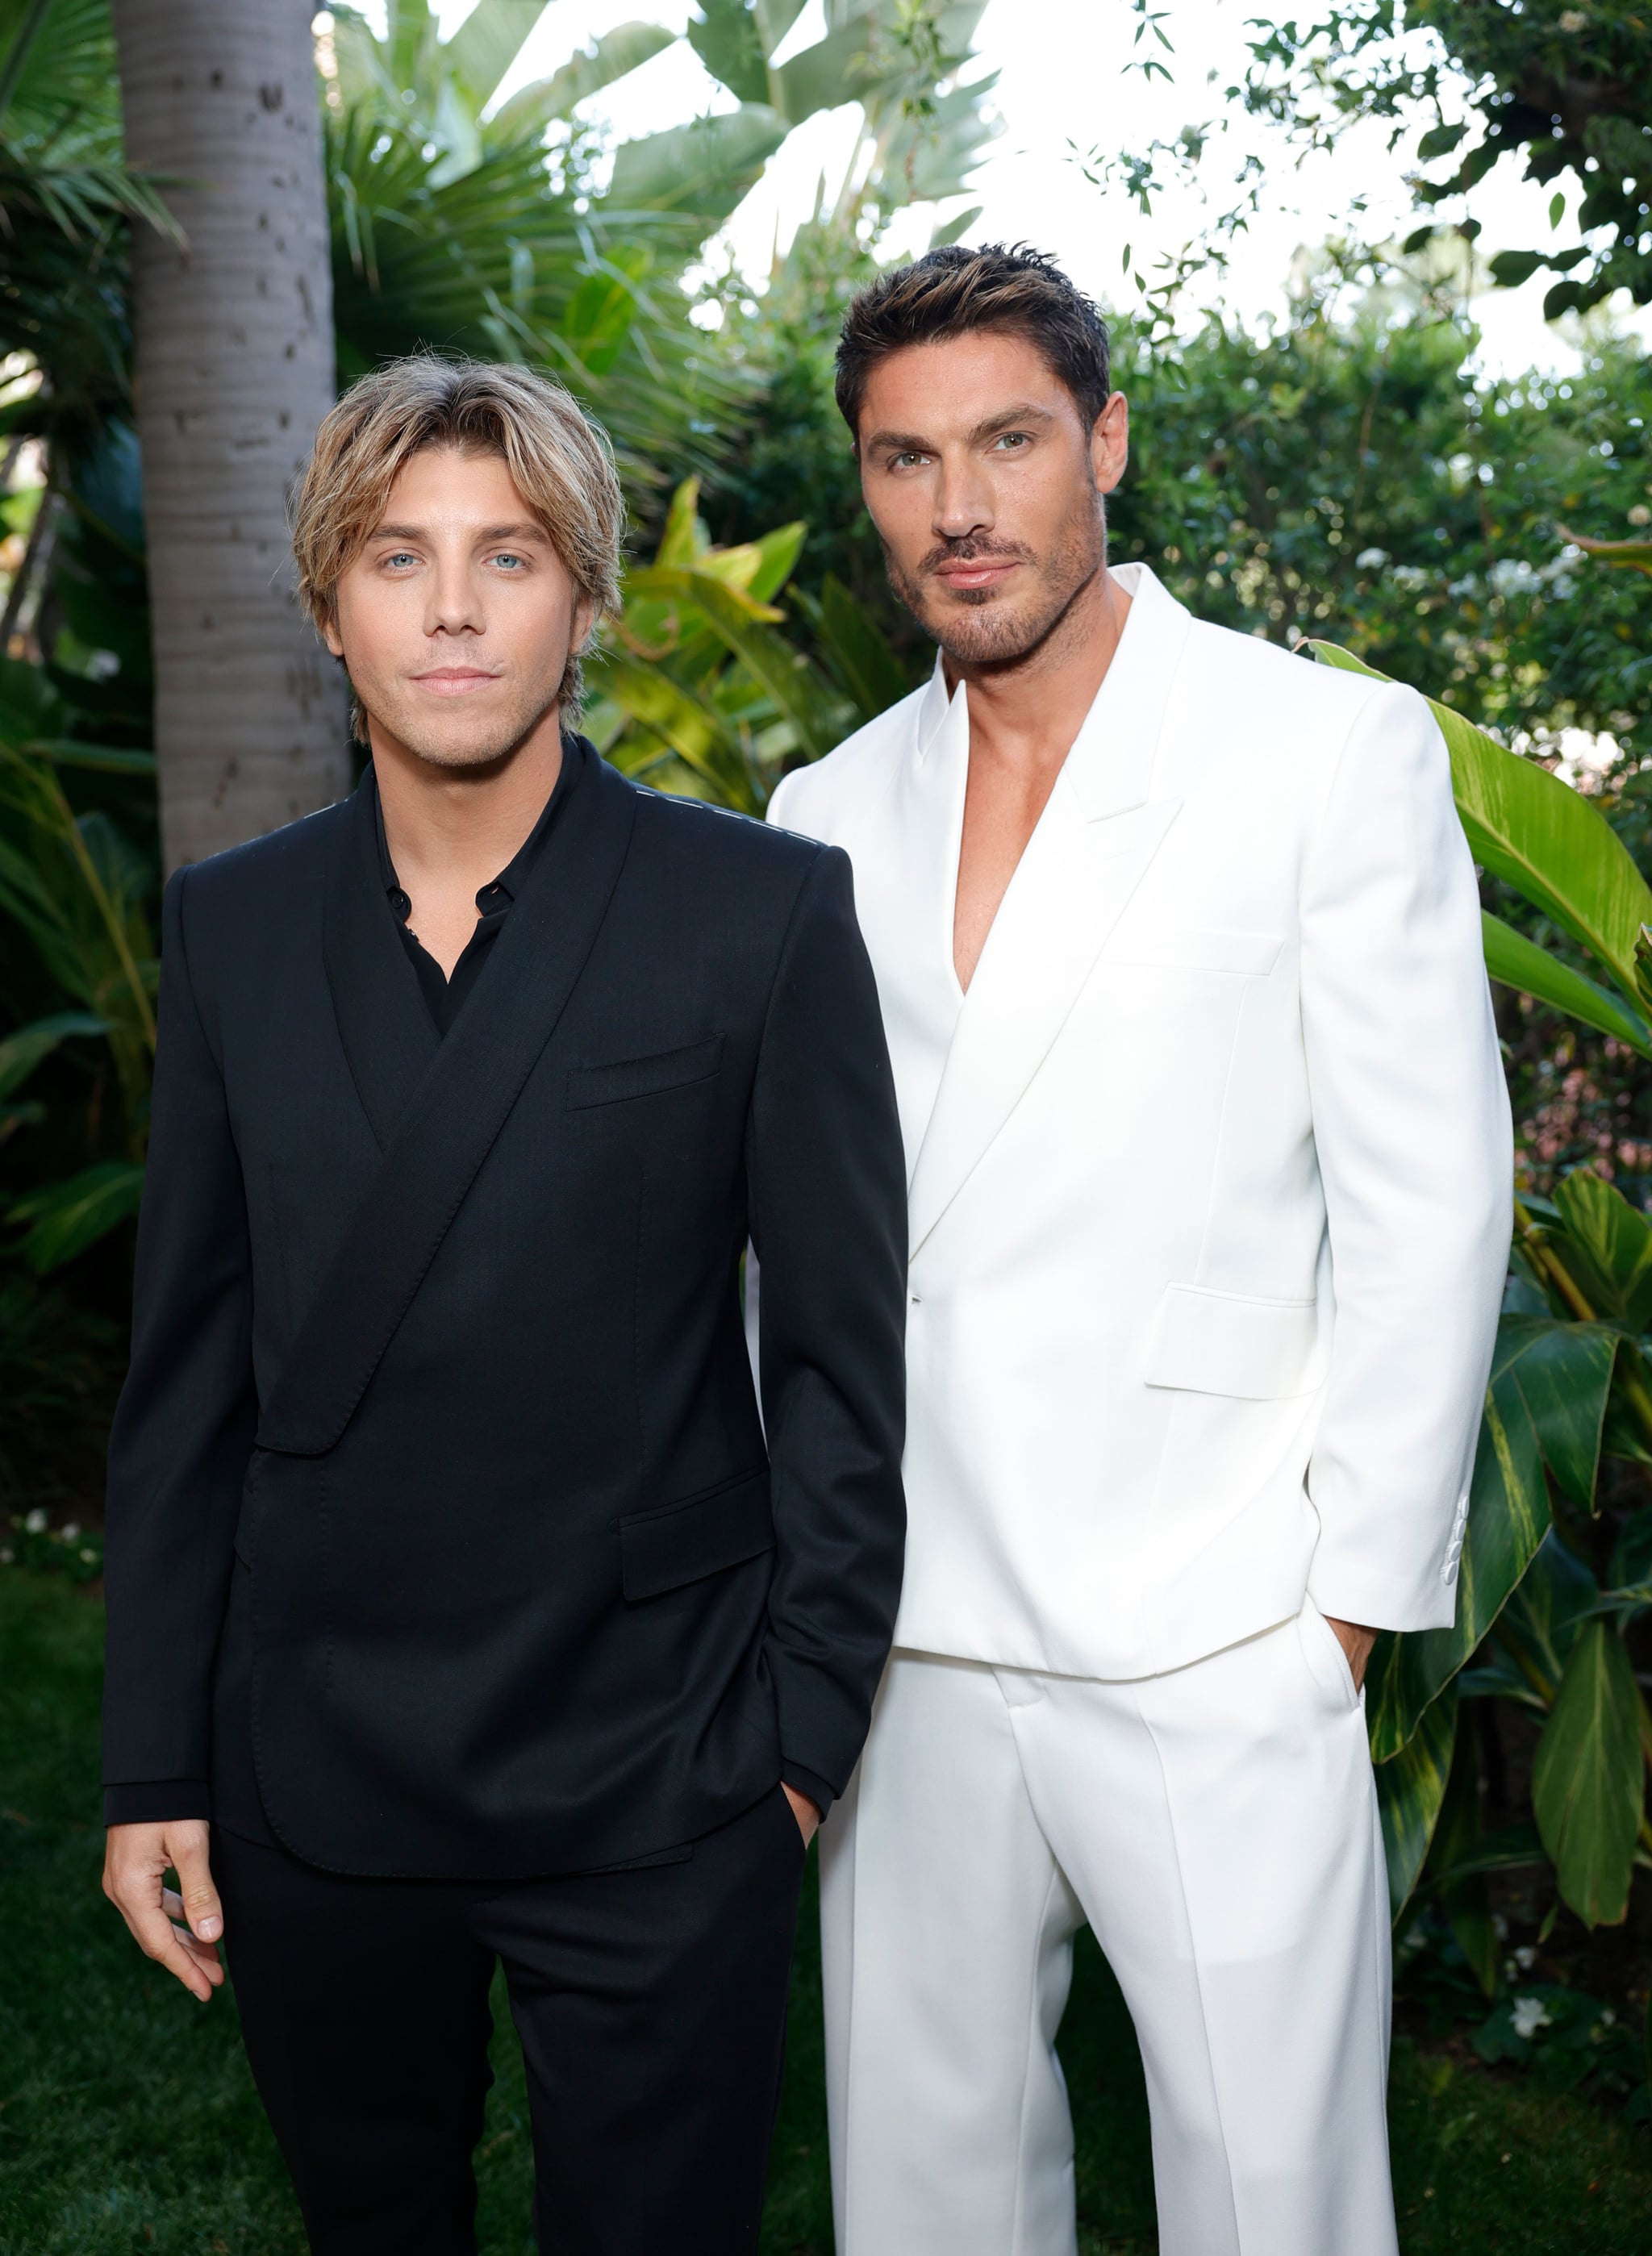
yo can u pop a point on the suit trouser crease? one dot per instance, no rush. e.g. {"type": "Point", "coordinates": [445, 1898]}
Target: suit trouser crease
{"type": "Point", "coordinates": [1217, 1827]}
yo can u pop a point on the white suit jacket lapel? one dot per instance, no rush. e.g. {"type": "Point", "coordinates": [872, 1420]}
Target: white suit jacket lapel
{"type": "Point", "coordinates": [908, 918]}
{"type": "Point", "coordinates": [1093, 843]}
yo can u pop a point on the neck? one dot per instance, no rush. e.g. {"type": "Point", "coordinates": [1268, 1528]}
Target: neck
{"type": "Point", "coordinates": [1025, 712]}
{"type": "Point", "coordinates": [462, 825]}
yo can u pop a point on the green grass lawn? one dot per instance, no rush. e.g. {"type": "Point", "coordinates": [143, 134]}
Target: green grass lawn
{"type": "Point", "coordinates": [128, 2120]}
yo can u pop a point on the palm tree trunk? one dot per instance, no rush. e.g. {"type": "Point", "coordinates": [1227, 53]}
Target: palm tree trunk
{"type": "Point", "coordinates": [234, 369]}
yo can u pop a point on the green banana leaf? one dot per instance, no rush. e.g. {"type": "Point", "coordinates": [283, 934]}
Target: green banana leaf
{"type": "Point", "coordinates": [21, 1052]}
{"type": "Point", "coordinates": [695, 730]}
{"type": "Point", "coordinates": [1410, 1789]}
{"type": "Point", "coordinates": [65, 1218]}
{"type": "Point", "coordinates": [1609, 1249]}
{"type": "Point", "coordinates": [1539, 1626]}
{"type": "Point", "coordinates": [702, 168]}
{"type": "Point", "coordinates": [741, 624]}
{"type": "Point", "coordinates": [1545, 1409]}
{"type": "Point", "coordinates": [614, 56]}
{"type": "Point", "coordinates": [1546, 840]}
{"type": "Point", "coordinates": [1518, 962]}
{"type": "Point", "coordinates": [862, 664]}
{"type": "Point", "coordinates": [1587, 1779]}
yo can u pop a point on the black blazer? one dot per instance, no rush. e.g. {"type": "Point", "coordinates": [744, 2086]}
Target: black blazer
{"type": "Point", "coordinates": [438, 1472]}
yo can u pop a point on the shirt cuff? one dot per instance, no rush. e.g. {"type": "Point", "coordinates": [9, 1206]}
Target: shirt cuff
{"type": "Point", "coordinates": [806, 1781]}
{"type": "Point", "coordinates": [156, 1801]}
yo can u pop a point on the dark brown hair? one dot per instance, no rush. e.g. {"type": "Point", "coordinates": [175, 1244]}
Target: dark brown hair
{"type": "Point", "coordinates": [953, 291]}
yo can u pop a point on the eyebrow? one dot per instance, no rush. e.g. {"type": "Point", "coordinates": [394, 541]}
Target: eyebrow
{"type": "Point", "coordinates": [528, 530]}
{"type": "Point", "coordinates": [1010, 418]}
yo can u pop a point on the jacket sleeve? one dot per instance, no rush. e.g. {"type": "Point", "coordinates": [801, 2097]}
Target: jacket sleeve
{"type": "Point", "coordinates": [828, 1221]}
{"type": "Point", "coordinates": [183, 1429]}
{"type": "Point", "coordinates": [1411, 1126]}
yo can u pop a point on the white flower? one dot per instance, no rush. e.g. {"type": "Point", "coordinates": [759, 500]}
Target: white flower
{"type": "Point", "coordinates": [35, 1523]}
{"type": "Point", "coordinates": [1524, 1958]}
{"type": "Point", "coordinates": [70, 1533]}
{"type": "Point", "coordinates": [1573, 20]}
{"type": "Point", "coordinates": [1500, 1927]}
{"type": "Point", "coordinates": [1368, 558]}
{"type": "Point", "coordinates": [88, 1554]}
{"type": "Point", "coordinates": [1529, 2015]}
{"type": "Point", "coordinates": [1607, 2016]}
{"type": "Point", "coordinates": [6, 1557]}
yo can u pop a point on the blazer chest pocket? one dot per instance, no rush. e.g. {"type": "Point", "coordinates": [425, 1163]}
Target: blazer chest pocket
{"type": "Point", "coordinates": [644, 1077]}
{"type": "Point", "coordinates": [1199, 948]}
{"type": "Point", "coordinates": [1236, 1343]}
{"type": "Point", "coordinates": [683, 1542]}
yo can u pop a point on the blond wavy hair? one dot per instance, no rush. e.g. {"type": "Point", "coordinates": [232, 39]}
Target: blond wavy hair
{"type": "Point", "coordinates": [558, 458]}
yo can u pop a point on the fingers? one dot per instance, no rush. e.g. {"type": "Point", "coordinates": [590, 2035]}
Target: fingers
{"type": "Point", "coordinates": [136, 1862]}
{"type": "Point", "coordinates": [201, 1908]}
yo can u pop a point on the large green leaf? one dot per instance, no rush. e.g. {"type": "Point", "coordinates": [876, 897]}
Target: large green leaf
{"type": "Point", "coordinates": [1518, 962]}
{"type": "Point", "coordinates": [1587, 1778]}
{"type": "Point", "coordinates": [725, 36]}
{"type": "Point", "coordinates": [694, 730]}
{"type": "Point", "coordinates": [65, 1218]}
{"type": "Point", "coordinates": [1410, 1789]}
{"type": "Point", "coordinates": [1545, 1407]}
{"type": "Point", "coordinates": [703, 167]}
{"type": "Point", "coordinates": [740, 623]}
{"type": "Point", "coordinates": [614, 56]}
{"type": "Point", "coordinates": [1554, 846]}
{"type": "Point", "coordinates": [487, 43]}
{"type": "Point", "coordinates": [857, 649]}
{"type": "Point", "coordinates": [1540, 1625]}
{"type": "Point", "coordinates": [1615, 1242]}
{"type": "Point", "coordinates": [21, 1052]}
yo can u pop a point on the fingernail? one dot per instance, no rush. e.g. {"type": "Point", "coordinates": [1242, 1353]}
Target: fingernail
{"type": "Point", "coordinates": [207, 1930]}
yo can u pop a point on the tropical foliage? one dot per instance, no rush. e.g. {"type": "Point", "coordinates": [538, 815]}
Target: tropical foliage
{"type": "Point", "coordinates": [1547, 1594]}
{"type": "Point", "coordinates": [698, 690]}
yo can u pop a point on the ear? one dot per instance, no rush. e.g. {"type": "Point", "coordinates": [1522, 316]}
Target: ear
{"type": "Point", "coordinates": [330, 635]}
{"type": "Point", "coordinates": [579, 631]}
{"type": "Point", "coordinates": [1110, 443]}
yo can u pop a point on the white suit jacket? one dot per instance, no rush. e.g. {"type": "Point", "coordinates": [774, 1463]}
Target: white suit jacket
{"type": "Point", "coordinates": [1209, 1171]}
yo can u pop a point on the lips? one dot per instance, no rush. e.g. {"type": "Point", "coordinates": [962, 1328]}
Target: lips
{"type": "Point", "coordinates": [986, 573]}
{"type": "Point", "coordinates": [454, 680]}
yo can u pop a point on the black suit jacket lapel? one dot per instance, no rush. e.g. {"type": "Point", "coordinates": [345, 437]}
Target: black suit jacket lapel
{"type": "Point", "coordinates": [452, 1118]}
{"type": "Point", "coordinates": [384, 1021]}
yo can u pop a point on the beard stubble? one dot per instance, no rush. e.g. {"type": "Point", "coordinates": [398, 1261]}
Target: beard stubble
{"type": "Point", "coordinates": [977, 627]}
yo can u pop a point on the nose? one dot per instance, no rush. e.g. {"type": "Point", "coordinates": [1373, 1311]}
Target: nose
{"type": "Point", "coordinates": [963, 498]}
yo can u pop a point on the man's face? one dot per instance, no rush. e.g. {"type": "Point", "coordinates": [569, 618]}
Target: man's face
{"type": "Point", "coordinates": [986, 490]}
{"type": "Point", "coordinates": [455, 621]}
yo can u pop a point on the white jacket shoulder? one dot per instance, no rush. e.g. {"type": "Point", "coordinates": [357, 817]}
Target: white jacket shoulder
{"type": "Point", "coordinates": [812, 800]}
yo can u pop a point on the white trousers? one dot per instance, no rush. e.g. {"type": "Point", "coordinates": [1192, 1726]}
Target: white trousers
{"type": "Point", "coordinates": [1217, 1826]}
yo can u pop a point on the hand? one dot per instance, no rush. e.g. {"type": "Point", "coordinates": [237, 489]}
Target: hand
{"type": "Point", "coordinates": [1356, 1643]}
{"type": "Point", "coordinates": [805, 1812]}
{"type": "Point", "coordinates": [178, 1928]}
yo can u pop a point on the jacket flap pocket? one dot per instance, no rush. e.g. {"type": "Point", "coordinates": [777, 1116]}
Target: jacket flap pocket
{"type": "Point", "coordinates": [1212, 1342]}
{"type": "Point", "coordinates": [644, 1077]}
{"type": "Point", "coordinates": [661, 1550]}
{"type": "Point", "coordinates": [1199, 948]}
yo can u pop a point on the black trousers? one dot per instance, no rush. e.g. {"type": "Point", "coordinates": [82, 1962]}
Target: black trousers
{"type": "Point", "coordinates": [651, 2004]}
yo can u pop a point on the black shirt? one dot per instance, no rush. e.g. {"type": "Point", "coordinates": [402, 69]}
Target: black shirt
{"type": "Point", "coordinates": [445, 998]}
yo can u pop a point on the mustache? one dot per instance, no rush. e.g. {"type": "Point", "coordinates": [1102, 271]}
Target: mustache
{"type": "Point", "coordinates": [973, 549]}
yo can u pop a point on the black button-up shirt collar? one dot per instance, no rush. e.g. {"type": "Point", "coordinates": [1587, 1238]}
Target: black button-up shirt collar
{"type": "Point", "coordinates": [444, 997]}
